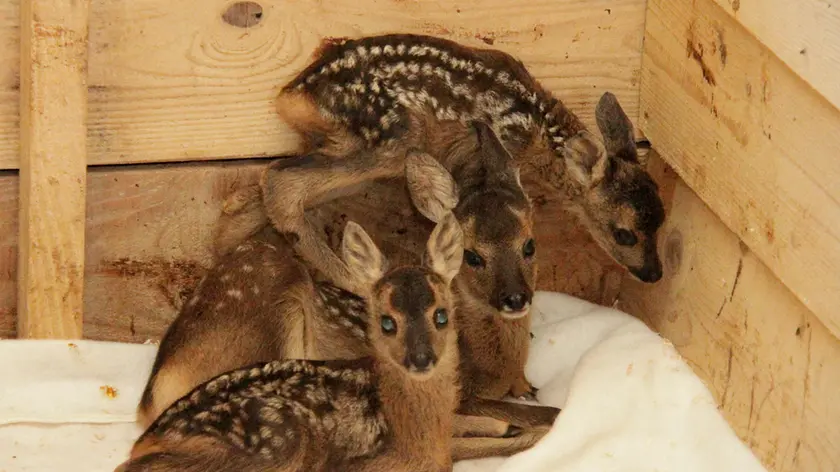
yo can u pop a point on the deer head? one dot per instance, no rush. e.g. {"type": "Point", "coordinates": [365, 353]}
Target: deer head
{"type": "Point", "coordinates": [496, 216]}
{"type": "Point", "coordinates": [410, 308]}
{"type": "Point", "coordinates": [619, 203]}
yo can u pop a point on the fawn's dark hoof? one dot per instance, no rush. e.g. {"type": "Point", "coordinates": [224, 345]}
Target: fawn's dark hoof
{"type": "Point", "coordinates": [512, 431]}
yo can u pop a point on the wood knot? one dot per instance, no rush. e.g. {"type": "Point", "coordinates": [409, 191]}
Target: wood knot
{"type": "Point", "coordinates": [674, 250]}
{"type": "Point", "coordinates": [243, 14]}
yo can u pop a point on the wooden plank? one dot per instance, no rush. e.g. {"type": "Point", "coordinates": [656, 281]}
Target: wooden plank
{"type": "Point", "coordinates": [9, 198]}
{"type": "Point", "coordinates": [752, 139]}
{"type": "Point", "coordinates": [805, 34]}
{"type": "Point", "coordinates": [772, 365]}
{"type": "Point", "coordinates": [53, 165]}
{"type": "Point", "coordinates": [172, 81]}
{"type": "Point", "coordinates": [150, 227]}
{"type": "Point", "coordinates": [9, 82]}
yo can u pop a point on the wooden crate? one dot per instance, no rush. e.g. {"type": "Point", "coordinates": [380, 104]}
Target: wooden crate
{"type": "Point", "coordinates": [123, 124]}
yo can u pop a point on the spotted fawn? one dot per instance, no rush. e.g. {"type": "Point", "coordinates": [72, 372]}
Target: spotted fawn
{"type": "Point", "coordinates": [391, 410]}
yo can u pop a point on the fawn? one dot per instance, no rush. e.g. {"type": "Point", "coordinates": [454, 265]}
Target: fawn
{"type": "Point", "coordinates": [259, 302]}
{"type": "Point", "coordinates": [392, 410]}
{"type": "Point", "coordinates": [375, 88]}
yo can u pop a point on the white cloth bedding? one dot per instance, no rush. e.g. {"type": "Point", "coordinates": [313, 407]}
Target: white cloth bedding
{"type": "Point", "coordinates": [629, 402]}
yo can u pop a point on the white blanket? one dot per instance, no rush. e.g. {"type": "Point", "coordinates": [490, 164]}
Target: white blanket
{"type": "Point", "coordinates": [629, 401]}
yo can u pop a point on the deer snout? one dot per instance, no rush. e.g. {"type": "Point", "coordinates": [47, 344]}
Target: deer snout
{"type": "Point", "coordinates": [515, 303]}
{"type": "Point", "coordinates": [651, 271]}
{"type": "Point", "coordinates": [648, 273]}
{"type": "Point", "coordinates": [421, 361]}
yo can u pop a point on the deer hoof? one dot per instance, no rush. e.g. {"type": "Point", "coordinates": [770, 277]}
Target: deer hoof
{"type": "Point", "coordinates": [513, 431]}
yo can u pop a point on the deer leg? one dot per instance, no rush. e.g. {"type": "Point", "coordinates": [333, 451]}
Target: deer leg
{"type": "Point", "coordinates": [522, 388]}
{"type": "Point", "coordinates": [292, 185]}
{"type": "Point", "coordinates": [243, 215]}
{"type": "Point", "coordinates": [478, 448]}
{"type": "Point", "coordinates": [525, 416]}
{"type": "Point", "coordinates": [482, 426]}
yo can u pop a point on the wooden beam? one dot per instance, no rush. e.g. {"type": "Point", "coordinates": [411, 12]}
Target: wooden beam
{"type": "Point", "coordinates": [53, 113]}
{"type": "Point", "coordinates": [149, 241]}
{"type": "Point", "coordinates": [182, 80]}
{"type": "Point", "coordinates": [805, 34]}
{"type": "Point", "coordinates": [771, 364]}
{"type": "Point", "coordinates": [754, 140]}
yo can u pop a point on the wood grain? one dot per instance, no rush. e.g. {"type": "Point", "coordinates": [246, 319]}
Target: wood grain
{"type": "Point", "coordinates": [752, 139]}
{"type": "Point", "coordinates": [53, 165]}
{"type": "Point", "coordinates": [149, 230]}
{"type": "Point", "coordinates": [805, 34]}
{"type": "Point", "coordinates": [772, 365]}
{"type": "Point", "coordinates": [171, 80]}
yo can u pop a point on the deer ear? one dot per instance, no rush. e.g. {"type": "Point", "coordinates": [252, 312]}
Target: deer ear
{"type": "Point", "coordinates": [364, 260]}
{"type": "Point", "coordinates": [616, 128]}
{"type": "Point", "coordinates": [432, 189]}
{"type": "Point", "coordinates": [586, 158]}
{"type": "Point", "coordinates": [491, 147]}
{"type": "Point", "coordinates": [445, 248]}
{"type": "Point", "coordinates": [499, 164]}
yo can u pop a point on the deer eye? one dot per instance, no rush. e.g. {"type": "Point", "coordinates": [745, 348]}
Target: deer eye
{"type": "Point", "coordinates": [624, 237]}
{"type": "Point", "coordinates": [441, 318]}
{"type": "Point", "coordinates": [389, 324]}
{"type": "Point", "coordinates": [529, 248]}
{"type": "Point", "coordinates": [473, 259]}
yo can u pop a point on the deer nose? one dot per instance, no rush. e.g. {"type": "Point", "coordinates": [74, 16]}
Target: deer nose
{"type": "Point", "coordinates": [649, 273]}
{"type": "Point", "coordinates": [421, 361]}
{"type": "Point", "coordinates": [515, 302]}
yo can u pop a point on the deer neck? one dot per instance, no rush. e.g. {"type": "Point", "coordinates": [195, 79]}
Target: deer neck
{"type": "Point", "coordinates": [491, 346]}
{"type": "Point", "coordinates": [420, 412]}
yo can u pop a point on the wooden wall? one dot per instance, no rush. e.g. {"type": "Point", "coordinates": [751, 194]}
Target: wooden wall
{"type": "Point", "coordinates": [170, 80]}
{"type": "Point", "coordinates": [177, 80]}
{"type": "Point", "coordinates": [740, 100]}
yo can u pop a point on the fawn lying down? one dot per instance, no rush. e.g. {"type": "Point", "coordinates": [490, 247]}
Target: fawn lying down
{"type": "Point", "coordinates": [390, 411]}
{"type": "Point", "coordinates": [493, 349]}
{"type": "Point", "coordinates": [259, 303]}
{"type": "Point", "coordinates": [374, 87]}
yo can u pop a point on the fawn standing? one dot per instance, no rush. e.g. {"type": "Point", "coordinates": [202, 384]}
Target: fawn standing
{"type": "Point", "coordinates": [390, 411]}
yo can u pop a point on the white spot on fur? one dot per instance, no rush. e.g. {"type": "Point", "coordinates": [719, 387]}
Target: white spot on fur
{"type": "Point", "coordinates": [235, 293]}
{"type": "Point", "coordinates": [255, 289]}
{"type": "Point", "coordinates": [247, 268]}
